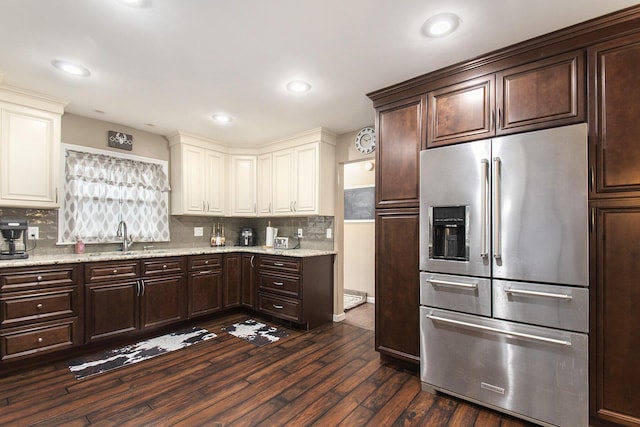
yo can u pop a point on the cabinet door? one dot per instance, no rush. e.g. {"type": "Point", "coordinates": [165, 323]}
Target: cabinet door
{"type": "Point", "coordinates": [283, 182]}
{"type": "Point", "coordinates": [231, 293]}
{"type": "Point", "coordinates": [205, 292]}
{"type": "Point", "coordinates": [400, 134]}
{"type": "Point", "coordinates": [243, 185]}
{"type": "Point", "coordinates": [248, 280]}
{"type": "Point", "coordinates": [264, 185]}
{"type": "Point", "coordinates": [615, 347]}
{"type": "Point", "coordinates": [162, 301]}
{"type": "Point", "coordinates": [614, 90]}
{"type": "Point", "coordinates": [29, 157]}
{"type": "Point", "coordinates": [305, 179]}
{"type": "Point", "coordinates": [112, 309]}
{"type": "Point", "coordinates": [541, 94]}
{"type": "Point", "coordinates": [397, 284]}
{"type": "Point", "coordinates": [194, 185]}
{"type": "Point", "coordinates": [461, 112]}
{"type": "Point", "coordinates": [215, 174]}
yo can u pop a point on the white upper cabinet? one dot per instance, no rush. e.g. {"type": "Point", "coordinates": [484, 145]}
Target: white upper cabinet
{"type": "Point", "coordinates": [283, 182]}
{"type": "Point", "coordinates": [198, 177]}
{"type": "Point", "coordinates": [264, 184]}
{"type": "Point", "coordinates": [243, 185]}
{"type": "Point", "coordinates": [29, 149]}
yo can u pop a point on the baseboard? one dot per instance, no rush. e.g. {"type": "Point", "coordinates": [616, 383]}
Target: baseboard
{"type": "Point", "coordinates": [339, 317]}
{"type": "Point", "coordinates": [371, 300]}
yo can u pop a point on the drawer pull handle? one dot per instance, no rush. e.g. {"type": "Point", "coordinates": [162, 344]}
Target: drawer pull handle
{"type": "Point", "coordinates": [278, 283]}
{"type": "Point", "coordinates": [39, 278]}
{"type": "Point", "coordinates": [115, 271]}
{"type": "Point", "coordinates": [40, 340]}
{"type": "Point", "coordinates": [278, 307]}
{"type": "Point", "coordinates": [454, 284]}
{"type": "Point", "coordinates": [499, 331]}
{"type": "Point", "coordinates": [537, 294]}
{"type": "Point", "coordinates": [39, 306]}
{"type": "Point", "coordinates": [278, 264]}
{"type": "Point", "coordinates": [206, 272]}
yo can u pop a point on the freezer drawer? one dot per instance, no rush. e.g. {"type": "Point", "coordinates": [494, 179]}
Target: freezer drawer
{"type": "Point", "coordinates": [561, 307]}
{"type": "Point", "coordinates": [534, 372]}
{"type": "Point", "coordinates": [459, 293]}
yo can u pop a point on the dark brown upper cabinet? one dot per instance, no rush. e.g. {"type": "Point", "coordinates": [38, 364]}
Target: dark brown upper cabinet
{"type": "Point", "coordinates": [537, 95]}
{"type": "Point", "coordinates": [461, 112]}
{"type": "Point", "coordinates": [400, 135]}
{"type": "Point", "coordinates": [615, 119]}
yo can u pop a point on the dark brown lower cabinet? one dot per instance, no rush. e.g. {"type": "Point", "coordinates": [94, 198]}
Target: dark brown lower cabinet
{"type": "Point", "coordinates": [112, 309]}
{"type": "Point", "coordinates": [204, 285]}
{"type": "Point", "coordinates": [248, 280]}
{"type": "Point", "coordinates": [615, 313]}
{"type": "Point", "coordinates": [162, 301]}
{"type": "Point", "coordinates": [397, 284]}
{"type": "Point", "coordinates": [231, 292]}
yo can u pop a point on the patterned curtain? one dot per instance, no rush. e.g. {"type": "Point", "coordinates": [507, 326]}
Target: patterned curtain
{"type": "Point", "coordinates": [102, 190]}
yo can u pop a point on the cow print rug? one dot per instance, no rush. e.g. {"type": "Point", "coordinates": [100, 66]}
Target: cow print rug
{"type": "Point", "coordinates": [113, 359]}
{"type": "Point", "coordinates": [255, 332]}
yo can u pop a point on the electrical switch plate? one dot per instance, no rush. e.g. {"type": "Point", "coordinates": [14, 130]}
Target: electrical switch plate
{"type": "Point", "coordinates": [329, 233]}
{"type": "Point", "coordinates": [34, 233]}
{"type": "Point", "coordinates": [299, 232]}
{"type": "Point", "coordinates": [197, 231]}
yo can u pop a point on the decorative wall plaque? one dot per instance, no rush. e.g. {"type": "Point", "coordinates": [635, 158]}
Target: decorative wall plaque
{"type": "Point", "coordinates": [121, 140]}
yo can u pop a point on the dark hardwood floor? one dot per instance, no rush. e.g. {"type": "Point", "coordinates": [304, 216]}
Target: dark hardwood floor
{"type": "Point", "coordinates": [330, 376]}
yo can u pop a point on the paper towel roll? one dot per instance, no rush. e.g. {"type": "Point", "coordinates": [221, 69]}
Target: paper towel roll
{"type": "Point", "coordinates": [270, 237]}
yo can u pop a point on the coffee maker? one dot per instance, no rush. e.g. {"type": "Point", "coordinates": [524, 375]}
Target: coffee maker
{"type": "Point", "coordinates": [246, 237]}
{"type": "Point", "coordinates": [14, 233]}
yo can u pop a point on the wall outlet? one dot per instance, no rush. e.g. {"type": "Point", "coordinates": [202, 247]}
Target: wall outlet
{"type": "Point", "coordinates": [34, 233]}
{"type": "Point", "coordinates": [299, 232]}
{"type": "Point", "coordinates": [197, 231]}
{"type": "Point", "coordinates": [329, 233]}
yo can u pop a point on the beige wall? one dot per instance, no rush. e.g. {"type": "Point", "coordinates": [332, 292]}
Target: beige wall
{"type": "Point", "coordinates": [359, 237]}
{"type": "Point", "coordinates": [345, 153]}
{"type": "Point", "coordinates": [88, 132]}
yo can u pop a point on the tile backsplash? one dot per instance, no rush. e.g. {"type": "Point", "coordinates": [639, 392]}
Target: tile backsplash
{"type": "Point", "coordinates": [314, 229]}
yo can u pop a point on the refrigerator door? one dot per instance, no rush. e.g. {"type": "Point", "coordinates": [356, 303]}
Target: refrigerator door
{"type": "Point", "coordinates": [540, 212]}
{"type": "Point", "coordinates": [457, 175]}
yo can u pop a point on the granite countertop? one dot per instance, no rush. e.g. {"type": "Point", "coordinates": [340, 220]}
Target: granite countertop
{"type": "Point", "coordinates": [157, 253]}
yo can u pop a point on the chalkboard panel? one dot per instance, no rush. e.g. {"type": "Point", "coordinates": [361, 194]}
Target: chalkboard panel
{"type": "Point", "coordinates": [359, 204]}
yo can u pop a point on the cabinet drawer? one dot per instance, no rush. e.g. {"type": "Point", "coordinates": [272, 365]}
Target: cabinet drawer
{"type": "Point", "coordinates": [286, 264]}
{"type": "Point", "coordinates": [109, 271]}
{"type": "Point", "coordinates": [280, 307]}
{"type": "Point", "coordinates": [163, 266]}
{"type": "Point", "coordinates": [198, 262]}
{"type": "Point", "coordinates": [22, 307]}
{"type": "Point", "coordinates": [289, 286]}
{"type": "Point", "coordinates": [14, 279]}
{"type": "Point", "coordinates": [459, 293]}
{"type": "Point", "coordinates": [562, 307]}
{"type": "Point", "coordinates": [39, 339]}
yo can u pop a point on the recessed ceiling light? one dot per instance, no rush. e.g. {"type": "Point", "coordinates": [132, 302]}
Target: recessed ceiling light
{"type": "Point", "coordinates": [440, 25]}
{"type": "Point", "coordinates": [221, 118]}
{"type": "Point", "coordinates": [70, 68]}
{"type": "Point", "coordinates": [134, 3]}
{"type": "Point", "coordinates": [298, 86]}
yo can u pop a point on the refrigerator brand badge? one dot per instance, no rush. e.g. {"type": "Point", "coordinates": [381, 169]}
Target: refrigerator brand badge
{"type": "Point", "coordinates": [121, 140]}
{"type": "Point", "coordinates": [492, 388]}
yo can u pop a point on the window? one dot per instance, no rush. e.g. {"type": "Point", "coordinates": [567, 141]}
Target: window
{"type": "Point", "coordinates": [101, 189]}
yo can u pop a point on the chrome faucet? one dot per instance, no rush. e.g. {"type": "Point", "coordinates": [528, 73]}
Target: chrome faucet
{"type": "Point", "coordinates": [122, 232]}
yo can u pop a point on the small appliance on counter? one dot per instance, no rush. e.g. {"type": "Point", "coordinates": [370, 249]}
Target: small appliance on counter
{"type": "Point", "coordinates": [14, 233]}
{"type": "Point", "coordinates": [286, 243]}
{"type": "Point", "coordinates": [246, 237]}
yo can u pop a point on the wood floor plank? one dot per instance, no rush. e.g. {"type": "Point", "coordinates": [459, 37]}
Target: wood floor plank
{"type": "Point", "coordinates": [325, 377]}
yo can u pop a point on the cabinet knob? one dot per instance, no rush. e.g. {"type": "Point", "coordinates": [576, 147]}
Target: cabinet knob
{"type": "Point", "coordinates": [40, 340]}
{"type": "Point", "coordinates": [164, 266]}
{"type": "Point", "coordinates": [39, 278]}
{"type": "Point", "coordinates": [206, 262]}
{"type": "Point", "coordinates": [115, 271]}
{"type": "Point", "coordinates": [39, 306]}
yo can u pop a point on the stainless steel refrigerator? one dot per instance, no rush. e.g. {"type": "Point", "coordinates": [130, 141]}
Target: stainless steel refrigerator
{"type": "Point", "coordinates": [504, 273]}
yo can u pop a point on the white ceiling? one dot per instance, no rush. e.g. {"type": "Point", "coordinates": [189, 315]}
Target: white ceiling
{"type": "Point", "coordinates": [174, 63]}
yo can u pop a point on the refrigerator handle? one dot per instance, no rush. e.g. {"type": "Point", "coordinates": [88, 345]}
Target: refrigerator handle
{"type": "Point", "coordinates": [485, 206]}
{"type": "Point", "coordinates": [497, 247]}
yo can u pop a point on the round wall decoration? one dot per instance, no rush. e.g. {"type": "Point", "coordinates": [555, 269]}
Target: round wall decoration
{"type": "Point", "coordinates": [366, 140]}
